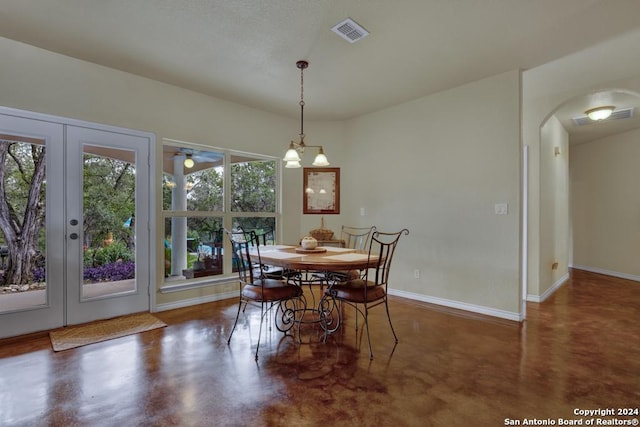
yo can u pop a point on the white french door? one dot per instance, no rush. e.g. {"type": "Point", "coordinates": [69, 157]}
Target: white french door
{"type": "Point", "coordinates": [21, 310]}
{"type": "Point", "coordinates": [77, 272]}
{"type": "Point", "coordinates": [107, 293]}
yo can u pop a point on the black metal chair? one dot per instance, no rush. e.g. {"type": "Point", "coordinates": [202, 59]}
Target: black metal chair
{"type": "Point", "coordinates": [370, 290]}
{"type": "Point", "coordinates": [356, 237]}
{"type": "Point", "coordinates": [266, 237]}
{"type": "Point", "coordinates": [353, 238]}
{"type": "Point", "coordinates": [256, 288]}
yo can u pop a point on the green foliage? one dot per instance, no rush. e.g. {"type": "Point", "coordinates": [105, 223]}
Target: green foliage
{"type": "Point", "coordinates": [109, 198]}
{"type": "Point", "coordinates": [191, 258]}
{"type": "Point", "coordinates": [253, 187]}
{"type": "Point", "coordinates": [112, 253]}
{"type": "Point", "coordinates": [206, 192]}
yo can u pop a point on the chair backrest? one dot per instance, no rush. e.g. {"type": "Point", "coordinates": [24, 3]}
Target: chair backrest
{"type": "Point", "coordinates": [265, 235]}
{"type": "Point", "coordinates": [356, 237]}
{"type": "Point", "coordinates": [218, 236]}
{"type": "Point", "coordinates": [383, 245]}
{"type": "Point", "coordinates": [245, 249]}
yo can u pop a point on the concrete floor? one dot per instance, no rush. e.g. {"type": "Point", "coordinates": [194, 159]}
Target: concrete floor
{"type": "Point", "coordinates": [577, 351]}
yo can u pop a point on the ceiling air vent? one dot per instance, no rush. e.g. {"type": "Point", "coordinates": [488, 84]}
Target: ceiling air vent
{"type": "Point", "coordinates": [350, 30]}
{"type": "Point", "coordinates": [623, 113]}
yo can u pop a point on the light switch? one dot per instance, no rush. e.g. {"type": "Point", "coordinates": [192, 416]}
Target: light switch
{"type": "Point", "coordinates": [501, 209]}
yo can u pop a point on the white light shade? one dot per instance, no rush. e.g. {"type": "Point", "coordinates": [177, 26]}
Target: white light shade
{"type": "Point", "coordinates": [292, 156]}
{"type": "Point", "coordinates": [292, 164]}
{"type": "Point", "coordinates": [321, 159]}
{"type": "Point", "coordinates": [599, 113]}
{"type": "Point", "coordinates": [188, 163]}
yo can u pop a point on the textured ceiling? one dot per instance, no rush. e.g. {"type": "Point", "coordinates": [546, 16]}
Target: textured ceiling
{"type": "Point", "coordinates": [245, 51]}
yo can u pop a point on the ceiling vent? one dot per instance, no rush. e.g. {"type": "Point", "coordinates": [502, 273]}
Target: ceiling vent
{"type": "Point", "coordinates": [623, 113]}
{"type": "Point", "coordinates": [350, 30]}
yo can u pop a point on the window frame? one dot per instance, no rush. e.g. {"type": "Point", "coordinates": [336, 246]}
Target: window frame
{"type": "Point", "coordinates": [226, 214]}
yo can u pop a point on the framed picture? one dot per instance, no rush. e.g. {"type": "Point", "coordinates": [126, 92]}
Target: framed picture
{"type": "Point", "coordinates": [321, 187]}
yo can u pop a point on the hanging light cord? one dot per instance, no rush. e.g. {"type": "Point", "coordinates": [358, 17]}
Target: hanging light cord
{"type": "Point", "coordinates": [302, 65]}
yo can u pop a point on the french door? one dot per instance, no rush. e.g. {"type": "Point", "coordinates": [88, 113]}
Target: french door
{"type": "Point", "coordinates": [74, 223]}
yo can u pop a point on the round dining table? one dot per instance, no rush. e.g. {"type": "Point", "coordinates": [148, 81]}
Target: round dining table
{"type": "Point", "coordinates": [314, 267]}
{"type": "Point", "coordinates": [321, 259]}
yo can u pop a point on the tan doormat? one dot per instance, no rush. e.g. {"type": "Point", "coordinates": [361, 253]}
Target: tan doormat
{"type": "Point", "coordinates": [103, 330]}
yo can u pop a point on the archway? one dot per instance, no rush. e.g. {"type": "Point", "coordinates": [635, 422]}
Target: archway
{"type": "Point", "coordinates": [586, 203]}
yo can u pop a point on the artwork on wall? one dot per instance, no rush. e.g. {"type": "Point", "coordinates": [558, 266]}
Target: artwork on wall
{"type": "Point", "coordinates": [321, 188]}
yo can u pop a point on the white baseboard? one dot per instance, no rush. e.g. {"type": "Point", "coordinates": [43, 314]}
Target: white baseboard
{"type": "Point", "coordinates": [548, 292]}
{"type": "Point", "coordinates": [607, 272]}
{"type": "Point", "coordinates": [409, 295]}
{"type": "Point", "coordinates": [196, 301]}
{"type": "Point", "coordinates": [509, 315]}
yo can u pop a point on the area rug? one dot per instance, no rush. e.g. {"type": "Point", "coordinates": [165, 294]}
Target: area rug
{"type": "Point", "coordinates": [103, 330]}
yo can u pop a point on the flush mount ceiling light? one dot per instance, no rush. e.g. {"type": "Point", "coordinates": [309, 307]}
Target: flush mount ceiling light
{"type": "Point", "coordinates": [600, 113]}
{"type": "Point", "coordinates": [188, 162]}
{"type": "Point", "coordinates": [292, 157]}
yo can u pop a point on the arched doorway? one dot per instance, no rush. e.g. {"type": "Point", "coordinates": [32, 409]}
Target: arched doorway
{"type": "Point", "coordinates": [587, 170]}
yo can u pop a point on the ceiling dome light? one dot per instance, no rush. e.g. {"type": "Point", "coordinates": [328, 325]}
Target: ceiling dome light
{"type": "Point", "coordinates": [188, 162]}
{"type": "Point", "coordinates": [600, 113]}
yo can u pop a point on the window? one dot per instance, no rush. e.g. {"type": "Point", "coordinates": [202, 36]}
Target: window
{"type": "Point", "coordinates": [198, 205]}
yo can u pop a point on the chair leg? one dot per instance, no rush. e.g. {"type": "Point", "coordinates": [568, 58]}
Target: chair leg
{"type": "Point", "coordinates": [262, 314]}
{"type": "Point", "coordinates": [366, 325]}
{"type": "Point", "coordinates": [386, 305]}
{"type": "Point", "coordinates": [235, 323]}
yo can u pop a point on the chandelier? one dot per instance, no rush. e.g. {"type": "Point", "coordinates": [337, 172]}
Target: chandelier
{"type": "Point", "coordinates": [292, 157]}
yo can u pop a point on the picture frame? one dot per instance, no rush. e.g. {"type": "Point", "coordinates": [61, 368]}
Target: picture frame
{"type": "Point", "coordinates": [321, 191]}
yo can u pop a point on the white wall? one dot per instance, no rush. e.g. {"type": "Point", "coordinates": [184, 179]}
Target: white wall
{"type": "Point", "coordinates": [609, 65]}
{"type": "Point", "coordinates": [437, 166]}
{"type": "Point", "coordinates": [606, 205]}
{"type": "Point", "coordinates": [554, 206]}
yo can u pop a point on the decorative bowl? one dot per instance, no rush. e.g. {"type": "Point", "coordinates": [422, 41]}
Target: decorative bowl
{"type": "Point", "coordinates": [308, 242]}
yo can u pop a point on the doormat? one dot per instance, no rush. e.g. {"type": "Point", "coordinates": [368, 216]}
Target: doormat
{"type": "Point", "coordinates": [103, 330]}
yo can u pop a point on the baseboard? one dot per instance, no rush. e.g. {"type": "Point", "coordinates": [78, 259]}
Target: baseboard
{"type": "Point", "coordinates": [195, 301]}
{"type": "Point", "coordinates": [607, 272]}
{"type": "Point", "coordinates": [509, 315]}
{"type": "Point", "coordinates": [548, 292]}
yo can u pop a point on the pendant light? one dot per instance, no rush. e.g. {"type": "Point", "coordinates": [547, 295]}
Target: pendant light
{"type": "Point", "coordinates": [292, 157]}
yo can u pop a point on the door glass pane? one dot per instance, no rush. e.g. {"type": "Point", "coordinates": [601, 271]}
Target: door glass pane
{"type": "Point", "coordinates": [22, 223]}
{"type": "Point", "coordinates": [109, 183]}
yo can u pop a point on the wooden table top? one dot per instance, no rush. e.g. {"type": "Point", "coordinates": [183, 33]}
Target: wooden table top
{"type": "Point", "coordinates": [331, 260]}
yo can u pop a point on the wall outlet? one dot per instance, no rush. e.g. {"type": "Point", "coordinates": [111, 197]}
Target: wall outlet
{"type": "Point", "coordinates": [416, 273]}
{"type": "Point", "coordinates": [501, 208]}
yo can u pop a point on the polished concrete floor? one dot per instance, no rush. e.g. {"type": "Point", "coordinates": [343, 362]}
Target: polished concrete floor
{"type": "Point", "coordinates": [579, 350]}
